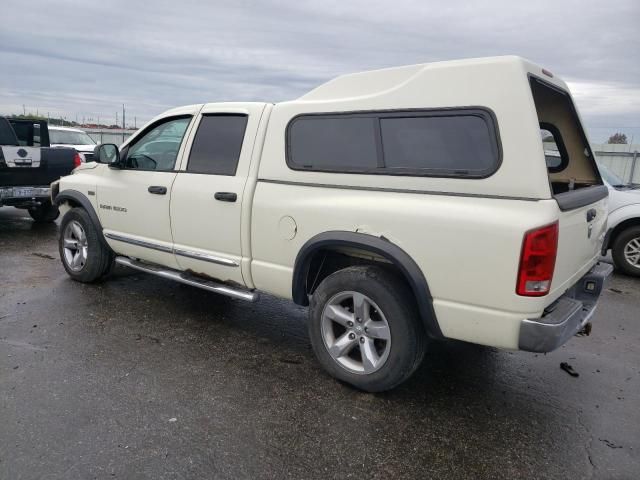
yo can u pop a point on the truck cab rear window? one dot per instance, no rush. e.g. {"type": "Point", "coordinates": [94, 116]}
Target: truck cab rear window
{"type": "Point", "coordinates": [421, 143]}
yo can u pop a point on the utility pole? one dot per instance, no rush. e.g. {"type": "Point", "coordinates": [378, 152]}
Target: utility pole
{"type": "Point", "coordinates": [124, 125]}
{"type": "Point", "coordinates": [24, 110]}
{"type": "Point", "coordinates": [135, 122]}
{"type": "Point", "coordinates": [116, 118]}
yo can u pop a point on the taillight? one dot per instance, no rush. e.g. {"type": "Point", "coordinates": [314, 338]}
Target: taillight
{"type": "Point", "coordinates": [537, 261]}
{"type": "Point", "coordinates": [77, 160]}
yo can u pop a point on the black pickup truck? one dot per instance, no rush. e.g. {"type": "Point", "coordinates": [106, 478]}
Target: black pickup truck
{"type": "Point", "coordinates": [28, 166]}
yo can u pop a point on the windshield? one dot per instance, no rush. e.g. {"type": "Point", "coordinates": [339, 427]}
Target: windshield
{"type": "Point", "coordinates": [611, 178]}
{"type": "Point", "coordinates": [65, 137]}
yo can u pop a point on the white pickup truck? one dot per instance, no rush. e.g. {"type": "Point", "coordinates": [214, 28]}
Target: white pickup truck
{"type": "Point", "coordinates": [401, 205]}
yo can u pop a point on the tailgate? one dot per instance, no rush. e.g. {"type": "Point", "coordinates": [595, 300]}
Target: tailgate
{"type": "Point", "coordinates": [580, 236]}
{"type": "Point", "coordinates": [30, 166]}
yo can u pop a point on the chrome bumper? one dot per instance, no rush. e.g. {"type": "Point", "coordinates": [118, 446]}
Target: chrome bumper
{"type": "Point", "coordinates": [566, 316]}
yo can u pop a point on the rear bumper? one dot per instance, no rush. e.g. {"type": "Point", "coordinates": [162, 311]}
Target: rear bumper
{"type": "Point", "coordinates": [15, 196]}
{"type": "Point", "coordinates": [566, 316]}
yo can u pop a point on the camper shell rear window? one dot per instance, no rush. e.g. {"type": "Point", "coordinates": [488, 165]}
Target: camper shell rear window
{"type": "Point", "coordinates": [569, 159]}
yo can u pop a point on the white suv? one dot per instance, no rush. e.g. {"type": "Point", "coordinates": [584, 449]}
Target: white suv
{"type": "Point", "coordinates": [623, 237]}
{"type": "Point", "coordinates": [400, 205]}
{"type": "Point", "coordinates": [75, 138]}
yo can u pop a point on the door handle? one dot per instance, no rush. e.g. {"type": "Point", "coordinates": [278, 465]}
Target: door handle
{"type": "Point", "coordinates": [591, 214]}
{"type": "Point", "coordinates": [157, 190]}
{"type": "Point", "coordinates": [226, 196]}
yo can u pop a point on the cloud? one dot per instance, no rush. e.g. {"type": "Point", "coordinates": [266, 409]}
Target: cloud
{"type": "Point", "coordinates": [603, 98]}
{"type": "Point", "coordinates": [87, 58]}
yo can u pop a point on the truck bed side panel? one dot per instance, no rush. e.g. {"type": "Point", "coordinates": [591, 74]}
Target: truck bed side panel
{"type": "Point", "coordinates": [477, 292]}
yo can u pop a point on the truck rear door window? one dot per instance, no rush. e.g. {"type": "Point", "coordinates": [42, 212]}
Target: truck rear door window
{"type": "Point", "coordinates": [217, 144]}
{"type": "Point", "coordinates": [7, 137]}
{"type": "Point", "coordinates": [438, 143]}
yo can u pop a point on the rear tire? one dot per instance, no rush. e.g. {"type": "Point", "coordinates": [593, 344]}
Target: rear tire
{"type": "Point", "coordinates": [365, 329]}
{"type": "Point", "coordinates": [84, 256]}
{"type": "Point", "coordinates": [45, 213]}
{"type": "Point", "coordinates": [626, 251]}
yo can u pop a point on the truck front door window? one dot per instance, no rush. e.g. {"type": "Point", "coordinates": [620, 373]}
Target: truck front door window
{"type": "Point", "coordinates": [158, 148]}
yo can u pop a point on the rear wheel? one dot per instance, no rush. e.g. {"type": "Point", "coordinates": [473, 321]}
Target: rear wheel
{"type": "Point", "coordinates": [44, 213]}
{"type": "Point", "coordinates": [84, 257]}
{"type": "Point", "coordinates": [626, 251]}
{"type": "Point", "coordinates": [364, 328]}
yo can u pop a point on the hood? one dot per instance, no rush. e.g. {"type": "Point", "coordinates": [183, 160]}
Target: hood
{"type": "Point", "coordinates": [85, 166]}
{"type": "Point", "coordinates": [622, 197]}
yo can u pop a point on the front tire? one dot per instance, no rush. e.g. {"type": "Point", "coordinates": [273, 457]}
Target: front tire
{"type": "Point", "coordinates": [45, 213]}
{"type": "Point", "coordinates": [83, 255]}
{"type": "Point", "coordinates": [626, 251]}
{"type": "Point", "coordinates": [365, 329]}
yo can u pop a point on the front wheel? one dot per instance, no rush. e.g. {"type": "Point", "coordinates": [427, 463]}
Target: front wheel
{"type": "Point", "coordinates": [84, 257]}
{"type": "Point", "coordinates": [365, 329]}
{"type": "Point", "coordinates": [626, 251]}
{"type": "Point", "coordinates": [45, 213]}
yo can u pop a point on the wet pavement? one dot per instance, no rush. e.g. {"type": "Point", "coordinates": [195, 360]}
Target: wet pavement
{"type": "Point", "coordinates": [138, 377]}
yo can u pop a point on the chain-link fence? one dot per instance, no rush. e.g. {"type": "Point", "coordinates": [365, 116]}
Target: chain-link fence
{"type": "Point", "coordinates": [116, 136]}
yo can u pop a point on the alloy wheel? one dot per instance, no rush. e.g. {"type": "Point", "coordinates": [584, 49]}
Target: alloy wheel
{"type": "Point", "coordinates": [632, 252]}
{"type": "Point", "coordinates": [76, 249]}
{"type": "Point", "coordinates": [356, 333]}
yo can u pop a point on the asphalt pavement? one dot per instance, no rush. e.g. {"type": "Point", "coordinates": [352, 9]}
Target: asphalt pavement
{"type": "Point", "coordinates": [141, 378]}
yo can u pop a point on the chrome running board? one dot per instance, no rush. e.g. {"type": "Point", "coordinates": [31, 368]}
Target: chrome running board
{"type": "Point", "coordinates": [188, 279]}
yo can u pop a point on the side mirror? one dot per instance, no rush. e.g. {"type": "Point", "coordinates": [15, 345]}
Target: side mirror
{"type": "Point", "coordinates": [107, 153]}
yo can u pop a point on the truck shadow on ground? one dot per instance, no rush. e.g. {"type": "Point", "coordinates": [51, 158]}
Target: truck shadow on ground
{"type": "Point", "coordinates": [282, 325]}
{"type": "Point", "coordinates": [462, 397]}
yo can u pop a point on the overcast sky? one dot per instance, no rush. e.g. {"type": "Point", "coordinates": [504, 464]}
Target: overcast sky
{"type": "Point", "coordinates": [86, 58]}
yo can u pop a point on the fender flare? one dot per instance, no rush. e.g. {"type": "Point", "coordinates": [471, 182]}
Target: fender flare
{"type": "Point", "coordinates": [75, 197]}
{"type": "Point", "coordinates": [616, 219]}
{"type": "Point", "coordinates": [380, 246]}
